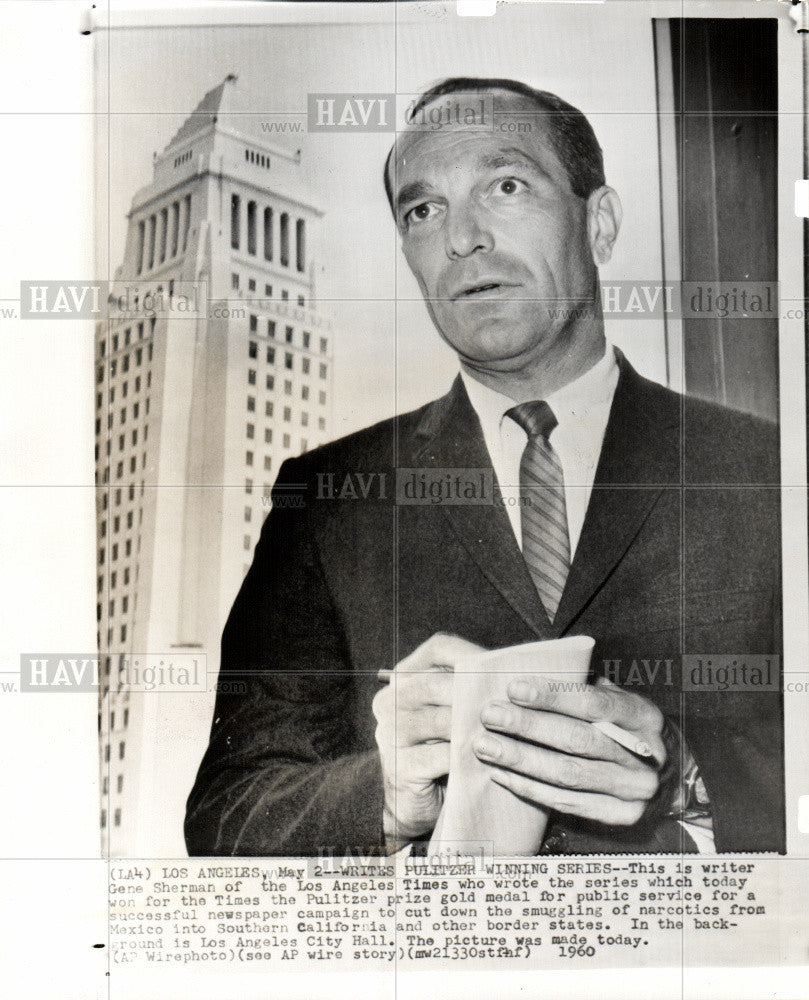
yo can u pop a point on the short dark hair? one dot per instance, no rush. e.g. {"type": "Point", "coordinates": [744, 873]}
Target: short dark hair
{"type": "Point", "coordinates": [569, 131]}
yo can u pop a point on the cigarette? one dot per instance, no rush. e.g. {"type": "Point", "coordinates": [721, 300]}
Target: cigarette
{"type": "Point", "coordinates": [627, 740]}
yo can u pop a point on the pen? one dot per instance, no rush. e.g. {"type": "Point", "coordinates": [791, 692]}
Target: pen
{"type": "Point", "coordinates": [627, 740]}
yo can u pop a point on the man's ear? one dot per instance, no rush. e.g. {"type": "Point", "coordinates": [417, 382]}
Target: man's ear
{"type": "Point", "coordinates": [604, 214]}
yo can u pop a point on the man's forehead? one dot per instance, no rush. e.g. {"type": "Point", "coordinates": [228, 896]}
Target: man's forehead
{"type": "Point", "coordinates": [440, 129]}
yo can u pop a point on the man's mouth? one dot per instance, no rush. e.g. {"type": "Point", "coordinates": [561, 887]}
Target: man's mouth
{"type": "Point", "coordinates": [481, 288]}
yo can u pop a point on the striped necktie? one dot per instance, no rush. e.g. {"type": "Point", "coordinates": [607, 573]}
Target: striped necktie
{"type": "Point", "coordinates": [545, 540]}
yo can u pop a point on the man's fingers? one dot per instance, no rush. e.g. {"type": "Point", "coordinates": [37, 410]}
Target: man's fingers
{"type": "Point", "coordinates": [560, 732]}
{"type": "Point", "coordinates": [413, 691]}
{"type": "Point", "coordinates": [562, 771]}
{"type": "Point", "coordinates": [430, 723]}
{"type": "Point", "coordinates": [440, 650]}
{"type": "Point", "coordinates": [427, 761]}
{"type": "Point", "coordinates": [589, 805]}
{"type": "Point", "coordinates": [594, 703]}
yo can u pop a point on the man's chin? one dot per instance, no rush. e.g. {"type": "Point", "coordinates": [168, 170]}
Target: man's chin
{"type": "Point", "coordinates": [494, 345]}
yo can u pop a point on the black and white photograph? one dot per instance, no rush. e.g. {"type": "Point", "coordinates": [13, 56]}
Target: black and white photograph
{"type": "Point", "coordinates": [443, 367]}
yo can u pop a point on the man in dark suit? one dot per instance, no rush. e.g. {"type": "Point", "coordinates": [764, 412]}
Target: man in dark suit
{"type": "Point", "coordinates": [651, 524]}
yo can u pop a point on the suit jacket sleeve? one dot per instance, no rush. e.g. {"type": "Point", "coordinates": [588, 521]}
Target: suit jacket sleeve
{"type": "Point", "coordinates": [279, 776]}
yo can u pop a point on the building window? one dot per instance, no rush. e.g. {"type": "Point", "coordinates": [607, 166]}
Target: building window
{"type": "Point", "coordinates": [323, 345]}
{"type": "Point", "coordinates": [287, 413]}
{"type": "Point", "coordinates": [323, 371]}
{"type": "Point", "coordinates": [247, 543]}
{"type": "Point", "coordinates": [106, 753]}
{"type": "Point", "coordinates": [270, 382]}
{"type": "Point", "coordinates": [119, 787]}
{"type": "Point", "coordinates": [306, 365]}
{"type": "Point", "coordinates": [248, 513]}
{"type": "Point", "coordinates": [164, 225]}
{"type": "Point", "coordinates": [271, 329]}
{"type": "Point", "coordinates": [248, 486]}
{"type": "Point", "coordinates": [288, 335]}
{"type": "Point", "coordinates": [268, 290]}
{"type": "Point", "coordinates": [251, 228]}
{"type": "Point", "coordinates": [251, 285]}
{"type": "Point", "coordinates": [268, 238]}
{"type": "Point", "coordinates": [286, 440]}
{"type": "Point", "coordinates": [175, 228]}
{"type": "Point", "coordinates": [141, 245]}
{"type": "Point", "coordinates": [287, 388]}
{"type": "Point", "coordinates": [121, 750]}
{"type": "Point", "coordinates": [288, 360]}
{"type": "Point", "coordinates": [123, 633]}
{"type": "Point", "coordinates": [307, 339]}
{"type": "Point", "coordinates": [284, 295]}
{"type": "Point", "coordinates": [251, 376]}
{"type": "Point", "coordinates": [253, 324]}
{"type": "Point", "coordinates": [305, 390]}
{"type": "Point", "coordinates": [268, 408]}
{"type": "Point", "coordinates": [268, 435]}
{"type": "Point", "coordinates": [186, 220]}
{"type": "Point", "coordinates": [270, 355]}
{"type": "Point", "coordinates": [304, 419]}
{"type": "Point", "coordinates": [301, 300]}
{"type": "Point", "coordinates": [124, 605]}
{"type": "Point", "coordinates": [251, 404]}
{"type": "Point", "coordinates": [304, 444]}
{"type": "Point", "coordinates": [248, 458]}
{"type": "Point", "coordinates": [300, 245]}
{"type": "Point", "coordinates": [267, 463]}
{"type": "Point", "coordinates": [117, 817]}
{"type": "Point", "coordinates": [284, 239]}
{"type": "Point", "coordinates": [321, 423]}
{"type": "Point", "coordinates": [152, 234]}
{"type": "Point", "coordinates": [235, 211]}
{"type": "Point", "coordinates": [251, 430]}
{"type": "Point", "coordinates": [252, 349]}
{"type": "Point", "coordinates": [234, 282]}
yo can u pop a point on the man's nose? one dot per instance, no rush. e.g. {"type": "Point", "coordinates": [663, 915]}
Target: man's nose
{"type": "Point", "coordinates": [465, 233]}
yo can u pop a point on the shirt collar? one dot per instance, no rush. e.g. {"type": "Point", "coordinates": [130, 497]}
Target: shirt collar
{"type": "Point", "coordinates": [572, 404]}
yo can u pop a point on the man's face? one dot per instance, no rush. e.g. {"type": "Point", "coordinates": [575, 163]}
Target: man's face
{"type": "Point", "coordinates": [494, 235]}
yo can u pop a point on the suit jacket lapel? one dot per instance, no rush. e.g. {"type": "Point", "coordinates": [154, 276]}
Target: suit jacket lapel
{"type": "Point", "coordinates": [639, 457]}
{"type": "Point", "coordinates": [449, 436]}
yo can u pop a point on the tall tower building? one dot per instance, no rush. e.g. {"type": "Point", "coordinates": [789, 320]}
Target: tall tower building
{"type": "Point", "coordinates": [214, 366]}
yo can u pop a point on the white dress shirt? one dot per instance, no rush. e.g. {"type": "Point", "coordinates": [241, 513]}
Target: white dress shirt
{"type": "Point", "coordinates": [582, 409]}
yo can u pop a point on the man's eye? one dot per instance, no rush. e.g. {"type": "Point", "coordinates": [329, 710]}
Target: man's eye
{"type": "Point", "coordinates": [419, 213]}
{"type": "Point", "coordinates": [509, 185]}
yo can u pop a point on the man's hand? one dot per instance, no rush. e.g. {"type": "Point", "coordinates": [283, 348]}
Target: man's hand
{"type": "Point", "coordinates": [540, 744]}
{"type": "Point", "coordinates": [413, 715]}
